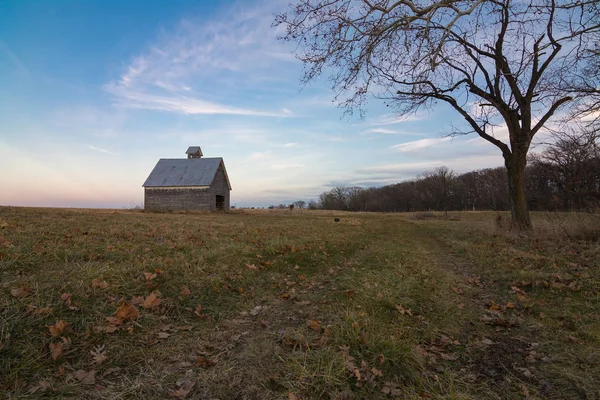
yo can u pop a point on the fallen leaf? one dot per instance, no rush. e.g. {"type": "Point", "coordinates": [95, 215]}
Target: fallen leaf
{"type": "Point", "coordinates": [127, 312]}
{"type": "Point", "coordinates": [488, 342]}
{"type": "Point", "coordinates": [41, 387]}
{"type": "Point", "coordinates": [204, 362]}
{"type": "Point", "coordinates": [21, 292]}
{"type": "Point", "coordinates": [99, 354]}
{"type": "Point", "coordinates": [55, 350]}
{"type": "Point", "coordinates": [97, 283]}
{"type": "Point", "coordinates": [403, 310]}
{"type": "Point", "coordinates": [524, 390]}
{"type": "Point", "coordinates": [149, 276]}
{"type": "Point", "coordinates": [185, 389]}
{"type": "Point", "coordinates": [163, 335]}
{"type": "Point", "coordinates": [58, 328]}
{"type": "Point", "coordinates": [495, 307]}
{"type": "Point", "coordinates": [292, 396]}
{"type": "Point", "coordinates": [198, 312]}
{"type": "Point", "coordinates": [516, 290]}
{"type": "Point", "coordinates": [40, 311]}
{"type": "Point", "coordinates": [457, 290]}
{"type": "Point", "coordinates": [314, 325]}
{"type": "Point", "coordinates": [185, 291]}
{"type": "Point", "coordinates": [85, 377]}
{"type": "Point", "coordinates": [252, 267]}
{"type": "Point", "coordinates": [66, 298]}
{"type": "Point", "coordinates": [350, 292]}
{"type": "Point", "coordinates": [136, 300]}
{"type": "Point", "coordinates": [114, 321]}
{"type": "Point", "coordinates": [152, 300]}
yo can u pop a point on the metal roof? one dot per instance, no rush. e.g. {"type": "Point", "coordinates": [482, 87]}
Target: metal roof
{"type": "Point", "coordinates": [194, 150]}
{"type": "Point", "coordinates": [185, 172]}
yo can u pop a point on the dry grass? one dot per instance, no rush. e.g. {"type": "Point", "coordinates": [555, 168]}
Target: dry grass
{"type": "Point", "coordinates": [372, 306]}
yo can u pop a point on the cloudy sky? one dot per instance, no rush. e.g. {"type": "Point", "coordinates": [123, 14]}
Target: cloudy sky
{"type": "Point", "coordinates": [95, 92]}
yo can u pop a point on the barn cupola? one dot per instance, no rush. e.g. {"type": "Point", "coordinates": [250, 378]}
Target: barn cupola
{"type": "Point", "coordinates": [194, 152]}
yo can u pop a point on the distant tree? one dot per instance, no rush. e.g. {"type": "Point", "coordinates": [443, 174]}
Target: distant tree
{"type": "Point", "coordinates": [300, 204]}
{"type": "Point", "coordinates": [572, 164]}
{"type": "Point", "coordinates": [495, 62]}
{"type": "Point", "coordinates": [356, 198]}
{"type": "Point", "coordinates": [438, 186]}
{"type": "Point", "coordinates": [339, 195]}
{"type": "Point", "coordinates": [313, 205]}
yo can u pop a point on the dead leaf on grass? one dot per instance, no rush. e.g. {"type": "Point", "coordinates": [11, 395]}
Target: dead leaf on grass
{"type": "Point", "coordinates": [185, 291]}
{"type": "Point", "coordinates": [39, 311]}
{"type": "Point", "coordinates": [98, 284]}
{"type": "Point", "coordinates": [163, 335]}
{"type": "Point", "coordinates": [136, 300]}
{"type": "Point", "coordinates": [56, 350]}
{"type": "Point", "coordinates": [516, 290]}
{"type": "Point", "coordinates": [124, 313]}
{"type": "Point", "coordinates": [40, 387]}
{"type": "Point", "coordinates": [204, 362]}
{"type": "Point", "coordinates": [402, 310]}
{"type": "Point", "coordinates": [314, 325]}
{"type": "Point", "coordinates": [66, 298]}
{"type": "Point", "coordinates": [58, 328]}
{"type": "Point", "coordinates": [184, 389]}
{"type": "Point", "coordinates": [21, 292]}
{"type": "Point", "coordinates": [198, 312]}
{"type": "Point", "coordinates": [149, 276]}
{"type": "Point", "coordinates": [99, 354]}
{"type": "Point", "coordinates": [252, 267]}
{"type": "Point", "coordinates": [457, 290]}
{"type": "Point", "coordinates": [85, 377]}
{"type": "Point", "coordinates": [152, 301]}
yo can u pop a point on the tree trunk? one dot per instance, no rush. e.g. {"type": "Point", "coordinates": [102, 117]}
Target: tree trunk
{"type": "Point", "coordinates": [515, 165]}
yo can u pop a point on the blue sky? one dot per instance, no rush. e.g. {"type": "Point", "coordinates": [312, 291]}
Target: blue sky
{"type": "Point", "coordinates": [95, 92]}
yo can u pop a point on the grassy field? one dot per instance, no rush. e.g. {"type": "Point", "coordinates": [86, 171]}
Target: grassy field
{"type": "Point", "coordinates": [109, 304]}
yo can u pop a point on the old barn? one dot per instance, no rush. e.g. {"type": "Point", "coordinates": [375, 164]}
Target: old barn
{"type": "Point", "coordinates": [192, 183]}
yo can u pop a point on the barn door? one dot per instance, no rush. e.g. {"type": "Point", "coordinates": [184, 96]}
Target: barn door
{"type": "Point", "coordinates": [220, 202]}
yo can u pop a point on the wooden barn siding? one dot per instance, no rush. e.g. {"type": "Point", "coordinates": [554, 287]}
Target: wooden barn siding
{"type": "Point", "coordinates": [219, 187]}
{"type": "Point", "coordinates": [178, 199]}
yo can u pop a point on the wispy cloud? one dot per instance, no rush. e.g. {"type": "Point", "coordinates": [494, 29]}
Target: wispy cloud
{"type": "Point", "coordinates": [101, 150]}
{"type": "Point", "coordinates": [260, 155]}
{"type": "Point", "coordinates": [387, 131]}
{"type": "Point", "coordinates": [182, 104]}
{"type": "Point", "coordinates": [393, 119]}
{"type": "Point", "coordinates": [461, 164]}
{"type": "Point", "coordinates": [419, 144]}
{"type": "Point", "coordinates": [14, 58]}
{"type": "Point", "coordinates": [203, 66]}
{"type": "Point", "coordinates": [282, 166]}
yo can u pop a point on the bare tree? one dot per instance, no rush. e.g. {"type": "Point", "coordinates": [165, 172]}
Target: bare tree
{"type": "Point", "coordinates": [573, 163]}
{"type": "Point", "coordinates": [300, 204]}
{"type": "Point", "coordinates": [498, 63]}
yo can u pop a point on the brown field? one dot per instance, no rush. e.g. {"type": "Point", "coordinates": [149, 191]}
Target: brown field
{"type": "Point", "coordinates": [110, 304]}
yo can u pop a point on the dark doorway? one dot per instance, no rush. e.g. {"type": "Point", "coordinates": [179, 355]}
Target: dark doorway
{"type": "Point", "coordinates": [220, 202]}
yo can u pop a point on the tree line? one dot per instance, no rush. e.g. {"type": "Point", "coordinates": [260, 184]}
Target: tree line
{"type": "Point", "coordinates": [566, 176]}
